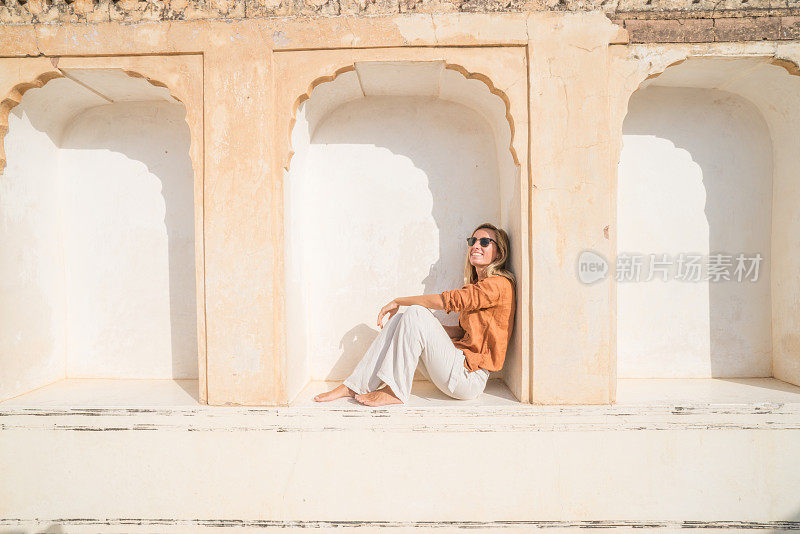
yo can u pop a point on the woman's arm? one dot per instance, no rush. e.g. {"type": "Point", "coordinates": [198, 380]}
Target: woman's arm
{"type": "Point", "coordinates": [484, 294]}
{"type": "Point", "coordinates": [433, 301]}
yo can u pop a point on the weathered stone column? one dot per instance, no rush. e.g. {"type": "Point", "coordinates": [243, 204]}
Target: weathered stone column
{"type": "Point", "coordinates": [571, 211]}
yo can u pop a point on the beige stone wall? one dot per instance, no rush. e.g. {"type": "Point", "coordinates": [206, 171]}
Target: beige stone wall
{"type": "Point", "coordinates": [567, 90]}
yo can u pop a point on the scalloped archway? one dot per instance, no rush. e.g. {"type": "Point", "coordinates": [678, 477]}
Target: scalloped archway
{"type": "Point", "coordinates": [391, 88]}
{"type": "Point", "coordinates": [730, 137]}
{"type": "Point", "coordinates": [449, 66]}
{"type": "Point", "coordinates": [102, 122]}
{"type": "Point", "coordinates": [14, 97]}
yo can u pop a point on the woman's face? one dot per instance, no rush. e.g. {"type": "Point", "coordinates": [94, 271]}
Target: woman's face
{"type": "Point", "coordinates": [480, 256]}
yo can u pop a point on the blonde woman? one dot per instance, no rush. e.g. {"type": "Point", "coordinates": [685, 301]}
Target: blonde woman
{"type": "Point", "coordinates": [458, 358]}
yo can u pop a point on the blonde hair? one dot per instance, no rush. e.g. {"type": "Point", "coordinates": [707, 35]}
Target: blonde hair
{"type": "Point", "coordinates": [497, 267]}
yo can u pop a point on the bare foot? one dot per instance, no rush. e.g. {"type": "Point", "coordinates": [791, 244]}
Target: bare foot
{"type": "Point", "coordinates": [335, 393]}
{"type": "Point", "coordinates": [380, 397]}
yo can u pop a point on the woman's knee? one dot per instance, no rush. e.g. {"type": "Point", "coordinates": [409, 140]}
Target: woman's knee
{"type": "Point", "coordinates": [416, 310]}
{"type": "Point", "coordinates": [416, 315]}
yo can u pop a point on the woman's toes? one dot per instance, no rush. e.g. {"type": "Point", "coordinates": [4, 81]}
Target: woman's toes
{"type": "Point", "coordinates": [335, 393]}
{"type": "Point", "coordinates": [380, 397]}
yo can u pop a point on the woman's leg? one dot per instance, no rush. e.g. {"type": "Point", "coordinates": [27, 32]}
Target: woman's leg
{"type": "Point", "coordinates": [445, 363]}
{"type": "Point", "coordinates": [363, 378]}
{"type": "Point", "coordinates": [394, 356]}
{"type": "Point", "coordinates": [419, 334]}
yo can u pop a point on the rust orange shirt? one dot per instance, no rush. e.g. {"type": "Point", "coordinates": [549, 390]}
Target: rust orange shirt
{"type": "Point", "coordinates": [486, 313]}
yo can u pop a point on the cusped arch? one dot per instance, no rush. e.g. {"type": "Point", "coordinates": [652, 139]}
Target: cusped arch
{"type": "Point", "coordinates": [790, 65]}
{"type": "Point", "coordinates": [72, 100]}
{"type": "Point", "coordinates": [15, 95]}
{"type": "Point", "coordinates": [13, 99]}
{"type": "Point", "coordinates": [468, 75]}
{"type": "Point", "coordinates": [475, 116]}
{"type": "Point", "coordinates": [666, 62]}
{"type": "Point", "coordinates": [495, 91]}
{"type": "Point", "coordinates": [767, 96]}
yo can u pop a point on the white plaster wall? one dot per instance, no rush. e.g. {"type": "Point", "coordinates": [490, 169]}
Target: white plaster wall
{"type": "Point", "coordinates": [695, 176]}
{"type": "Point", "coordinates": [392, 186]}
{"type": "Point", "coordinates": [128, 218]}
{"type": "Point", "coordinates": [782, 106]}
{"type": "Point", "coordinates": [777, 95]}
{"type": "Point", "coordinates": [31, 273]}
{"type": "Point", "coordinates": [295, 266]}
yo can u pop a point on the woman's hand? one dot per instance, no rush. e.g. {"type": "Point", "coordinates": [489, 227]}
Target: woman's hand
{"type": "Point", "coordinates": [391, 309]}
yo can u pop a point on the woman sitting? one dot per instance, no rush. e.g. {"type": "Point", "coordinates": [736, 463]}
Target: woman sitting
{"type": "Point", "coordinates": [458, 358]}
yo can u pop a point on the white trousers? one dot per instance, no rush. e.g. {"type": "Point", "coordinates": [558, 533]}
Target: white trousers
{"type": "Point", "coordinates": [394, 355]}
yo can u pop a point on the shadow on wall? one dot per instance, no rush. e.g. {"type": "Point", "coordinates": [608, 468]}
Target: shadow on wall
{"type": "Point", "coordinates": [127, 191]}
{"type": "Point", "coordinates": [354, 344]}
{"type": "Point", "coordinates": [410, 177]}
{"type": "Point", "coordinates": [696, 178]}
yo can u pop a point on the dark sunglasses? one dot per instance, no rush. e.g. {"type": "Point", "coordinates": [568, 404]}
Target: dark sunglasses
{"type": "Point", "coordinates": [484, 241]}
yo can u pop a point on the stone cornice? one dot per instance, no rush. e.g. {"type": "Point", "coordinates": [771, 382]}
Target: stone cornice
{"type": "Point", "coordinates": [23, 12]}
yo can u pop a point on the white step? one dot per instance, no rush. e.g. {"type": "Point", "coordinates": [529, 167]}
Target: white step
{"type": "Point", "coordinates": [725, 459]}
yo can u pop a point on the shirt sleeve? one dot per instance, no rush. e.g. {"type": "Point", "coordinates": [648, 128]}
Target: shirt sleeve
{"type": "Point", "coordinates": [483, 294]}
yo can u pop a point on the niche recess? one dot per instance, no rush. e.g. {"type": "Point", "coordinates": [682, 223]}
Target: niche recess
{"type": "Point", "coordinates": [394, 165]}
{"type": "Point", "coordinates": [97, 234]}
{"type": "Point", "coordinates": [709, 166]}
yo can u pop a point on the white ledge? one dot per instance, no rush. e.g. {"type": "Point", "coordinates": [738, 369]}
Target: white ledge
{"type": "Point", "coordinates": [699, 404]}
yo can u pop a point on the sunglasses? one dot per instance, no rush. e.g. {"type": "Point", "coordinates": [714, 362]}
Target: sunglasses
{"type": "Point", "coordinates": [484, 241]}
